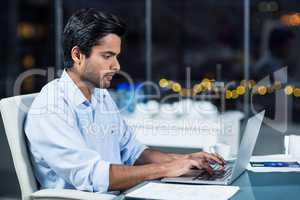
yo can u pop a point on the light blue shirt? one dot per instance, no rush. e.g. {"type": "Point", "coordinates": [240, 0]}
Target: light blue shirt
{"type": "Point", "coordinates": [73, 141]}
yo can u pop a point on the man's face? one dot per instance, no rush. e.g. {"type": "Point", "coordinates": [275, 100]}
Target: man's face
{"type": "Point", "coordinates": [99, 68]}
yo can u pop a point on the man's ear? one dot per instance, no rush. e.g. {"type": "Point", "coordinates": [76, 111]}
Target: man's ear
{"type": "Point", "coordinates": [76, 55]}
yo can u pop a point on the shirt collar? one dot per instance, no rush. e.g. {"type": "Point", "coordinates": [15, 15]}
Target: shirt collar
{"type": "Point", "coordinates": [75, 95]}
{"type": "Point", "coordinates": [71, 90]}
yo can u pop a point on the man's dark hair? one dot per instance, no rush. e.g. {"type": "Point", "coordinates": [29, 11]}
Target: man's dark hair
{"type": "Point", "coordinates": [85, 28]}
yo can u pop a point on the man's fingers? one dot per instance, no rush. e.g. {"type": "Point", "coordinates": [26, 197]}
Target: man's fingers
{"type": "Point", "coordinates": [202, 164]}
{"type": "Point", "coordinates": [215, 158]}
{"type": "Point", "coordinates": [220, 157]}
{"type": "Point", "coordinates": [210, 156]}
{"type": "Point", "coordinates": [207, 167]}
{"type": "Point", "coordinates": [195, 164]}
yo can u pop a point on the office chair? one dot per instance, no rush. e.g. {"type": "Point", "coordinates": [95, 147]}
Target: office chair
{"type": "Point", "coordinates": [14, 111]}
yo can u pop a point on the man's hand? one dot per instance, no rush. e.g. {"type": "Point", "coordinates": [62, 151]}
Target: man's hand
{"type": "Point", "coordinates": [200, 160]}
{"type": "Point", "coordinates": [209, 157]}
{"type": "Point", "coordinates": [162, 165]}
{"type": "Point", "coordinates": [182, 166]}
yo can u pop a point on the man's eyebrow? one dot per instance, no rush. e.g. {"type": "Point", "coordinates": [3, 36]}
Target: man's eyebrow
{"type": "Point", "coordinates": [110, 52]}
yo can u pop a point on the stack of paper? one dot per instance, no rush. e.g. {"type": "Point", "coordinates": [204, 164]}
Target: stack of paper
{"type": "Point", "coordinates": [154, 190]}
{"type": "Point", "coordinates": [274, 158]}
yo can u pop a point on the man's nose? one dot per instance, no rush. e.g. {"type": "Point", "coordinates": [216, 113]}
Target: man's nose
{"type": "Point", "coordinates": [116, 65]}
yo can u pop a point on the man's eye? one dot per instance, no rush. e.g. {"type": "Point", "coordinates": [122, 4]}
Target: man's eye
{"type": "Point", "coordinates": [106, 56]}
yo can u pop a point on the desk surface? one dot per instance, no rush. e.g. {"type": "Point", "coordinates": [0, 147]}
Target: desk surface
{"type": "Point", "coordinates": [261, 186]}
{"type": "Point", "coordinates": [283, 186]}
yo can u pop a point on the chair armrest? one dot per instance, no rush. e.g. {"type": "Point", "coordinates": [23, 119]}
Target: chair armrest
{"type": "Point", "coordinates": [63, 194]}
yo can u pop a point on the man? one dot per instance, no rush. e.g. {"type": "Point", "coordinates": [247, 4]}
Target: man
{"type": "Point", "coordinates": [75, 133]}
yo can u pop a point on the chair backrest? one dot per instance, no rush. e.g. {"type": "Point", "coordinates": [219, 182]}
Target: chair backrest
{"type": "Point", "coordinates": [14, 111]}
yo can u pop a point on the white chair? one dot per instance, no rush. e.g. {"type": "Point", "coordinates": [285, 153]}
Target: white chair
{"type": "Point", "coordinates": [14, 110]}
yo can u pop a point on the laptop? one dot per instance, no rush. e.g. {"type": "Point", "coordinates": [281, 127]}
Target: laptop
{"type": "Point", "coordinates": [232, 169]}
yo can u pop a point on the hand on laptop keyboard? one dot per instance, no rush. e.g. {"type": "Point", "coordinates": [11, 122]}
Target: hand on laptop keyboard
{"type": "Point", "coordinates": [208, 160]}
{"type": "Point", "coordinates": [209, 157]}
{"type": "Point", "coordinates": [218, 174]}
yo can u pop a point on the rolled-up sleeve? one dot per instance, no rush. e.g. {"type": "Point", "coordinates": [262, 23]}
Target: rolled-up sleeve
{"type": "Point", "coordinates": [131, 148]}
{"type": "Point", "coordinates": [62, 146]}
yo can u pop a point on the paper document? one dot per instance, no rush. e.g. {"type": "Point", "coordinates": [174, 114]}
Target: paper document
{"type": "Point", "coordinates": [274, 158]}
{"type": "Point", "coordinates": [183, 192]}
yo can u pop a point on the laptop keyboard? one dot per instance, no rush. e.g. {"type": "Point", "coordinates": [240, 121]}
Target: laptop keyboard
{"type": "Point", "coordinates": [220, 175]}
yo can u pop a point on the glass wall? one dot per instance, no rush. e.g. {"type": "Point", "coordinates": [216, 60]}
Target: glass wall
{"type": "Point", "coordinates": [275, 45]}
{"type": "Point", "coordinates": [27, 42]}
{"type": "Point", "coordinates": [274, 64]}
{"type": "Point", "coordinates": [199, 40]}
{"type": "Point", "coordinates": [196, 40]}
